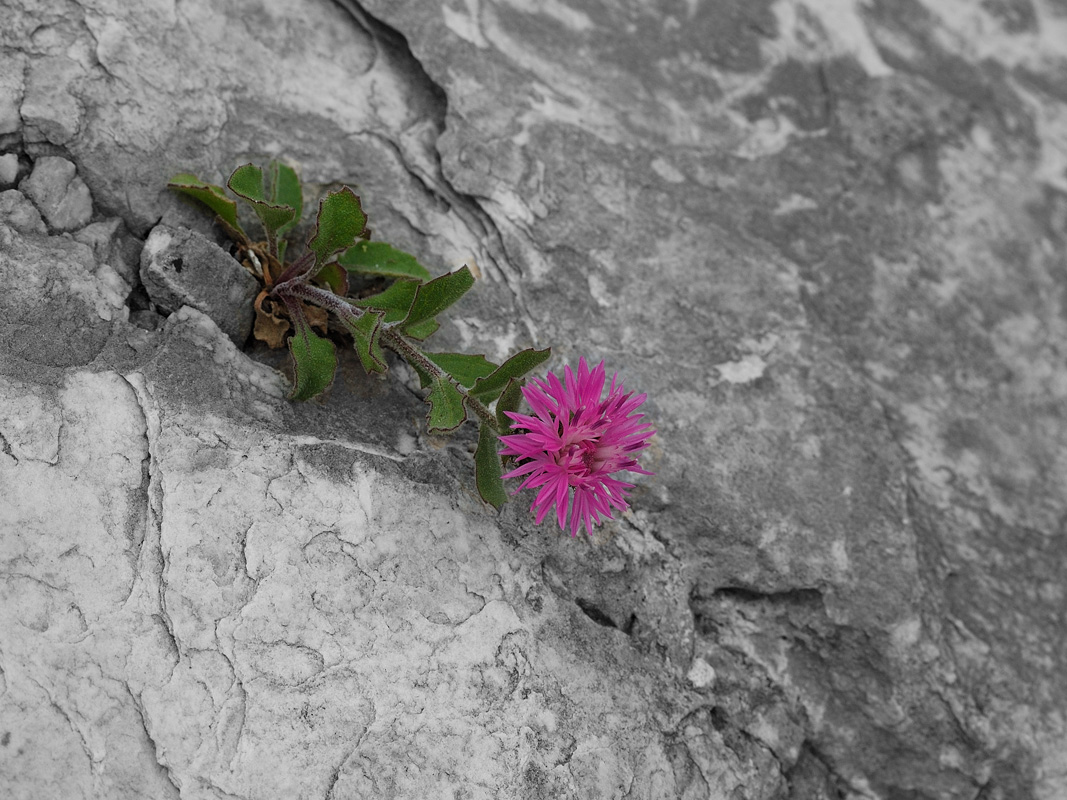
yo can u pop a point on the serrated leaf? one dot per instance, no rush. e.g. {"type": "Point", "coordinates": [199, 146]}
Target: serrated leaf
{"type": "Point", "coordinates": [489, 388]}
{"type": "Point", "coordinates": [247, 183]}
{"type": "Point", "coordinates": [379, 258]}
{"type": "Point", "coordinates": [285, 191]}
{"type": "Point", "coordinates": [466, 369]}
{"type": "Point", "coordinates": [447, 411]}
{"type": "Point", "coordinates": [366, 330]}
{"type": "Point", "coordinates": [334, 276]}
{"type": "Point", "coordinates": [214, 197]}
{"type": "Point", "coordinates": [434, 297]}
{"type": "Point", "coordinates": [340, 222]}
{"type": "Point", "coordinates": [488, 469]}
{"type": "Point", "coordinates": [314, 357]}
{"type": "Point", "coordinates": [509, 400]}
{"type": "Point", "coordinates": [394, 301]}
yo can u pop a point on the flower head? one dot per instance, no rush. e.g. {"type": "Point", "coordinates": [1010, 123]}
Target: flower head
{"type": "Point", "coordinates": [574, 442]}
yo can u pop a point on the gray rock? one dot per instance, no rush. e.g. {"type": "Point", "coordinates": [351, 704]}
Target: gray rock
{"type": "Point", "coordinates": [829, 248]}
{"type": "Point", "coordinates": [147, 318]}
{"type": "Point", "coordinates": [11, 91]}
{"type": "Point", "coordinates": [113, 245]}
{"type": "Point", "coordinates": [59, 304]}
{"type": "Point", "coordinates": [59, 194]}
{"type": "Point", "coordinates": [100, 236]}
{"type": "Point", "coordinates": [9, 170]}
{"type": "Point", "coordinates": [17, 212]}
{"type": "Point", "coordinates": [51, 110]}
{"type": "Point", "coordinates": [181, 267]}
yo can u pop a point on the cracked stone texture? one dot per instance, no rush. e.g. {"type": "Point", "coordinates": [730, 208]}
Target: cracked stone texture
{"type": "Point", "coordinates": [826, 237]}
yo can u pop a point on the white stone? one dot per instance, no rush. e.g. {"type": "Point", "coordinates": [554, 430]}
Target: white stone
{"type": "Point", "coordinates": [9, 170]}
{"type": "Point", "coordinates": [701, 674]}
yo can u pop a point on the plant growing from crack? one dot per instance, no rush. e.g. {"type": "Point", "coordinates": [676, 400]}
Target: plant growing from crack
{"type": "Point", "coordinates": [568, 449]}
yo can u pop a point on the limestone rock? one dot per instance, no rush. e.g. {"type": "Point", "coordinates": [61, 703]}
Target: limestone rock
{"type": "Point", "coordinates": [100, 236]}
{"type": "Point", "coordinates": [59, 194]}
{"type": "Point", "coordinates": [19, 213]}
{"type": "Point", "coordinates": [249, 618]}
{"type": "Point", "coordinates": [60, 303]}
{"type": "Point", "coordinates": [826, 238]}
{"type": "Point", "coordinates": [180, 267]}
{"type": "Point", "coordinates": [9, 170]}
{"type": "Point", "coordinates": [113, 245]}
{"type": "Point", "coordinates": [50, 110]}
{"type": "Point", "coordinates": [11, 90]}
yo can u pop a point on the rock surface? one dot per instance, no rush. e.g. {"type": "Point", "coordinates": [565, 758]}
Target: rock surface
{"type": "Point", "coordinates": [181, 267]}
{"type": "Point", "coordinates": [59, 194]}
{"type": "Point", "coordinates": [20, 214]}
{"type": "Point", "coordinates": [827, 238]}
{"type": "Point", "coordinates": [9, 170]}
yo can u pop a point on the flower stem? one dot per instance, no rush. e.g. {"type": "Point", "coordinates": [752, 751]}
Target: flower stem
{"type": "Point", "coordinates": [390, 337]}
{"type": "Point", "coordinates": [399, 344]}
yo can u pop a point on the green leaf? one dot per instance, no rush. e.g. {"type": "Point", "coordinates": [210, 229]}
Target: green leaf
{"type": "Point", "coordinates": [509, 401]}
{"type": "Point", "coordinates": [339, 224]}
{"type": "Point", "coordinates": [488, 469]}
{"type": "Point", "coordinates": [379, 258]}
{"type": "Point", "coordinates": [247, 183]}
{"type": "Point", "coordinates": [214, 197]}
{"type": "Point", "coordinates": [394, 301]}
{"type": "Point", "coordinates": [466, 369]}
{"type": "Point", "coordinates": [366, 330]}
{"type": "Point", "coordinates": [423, 330]}
{"type": "Point", "coordinates": [489, 388]}
{"type": "Point", "coordinates": [425, 378]}
{"type": "Point", "coordinates": [314, 357]}
{"type": "Point", "coordinates": [285, 191]}
{"type": "Point", "coordinates": [434, 297]}
{"type": "Point", "coordinates": [447, 411]}
{"type": "Point", "coordinates": [335, 277]}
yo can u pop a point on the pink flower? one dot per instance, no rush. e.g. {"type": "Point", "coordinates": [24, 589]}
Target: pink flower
{"type": "Point", "coordinates": [574, 442]}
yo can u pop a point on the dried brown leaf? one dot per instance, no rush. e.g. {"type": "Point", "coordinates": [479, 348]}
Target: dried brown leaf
{"type": "Point", "coordinates": [269, 327]}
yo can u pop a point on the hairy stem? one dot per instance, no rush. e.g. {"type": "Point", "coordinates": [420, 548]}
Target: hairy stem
{"type": "Point", "coordinates": [272, 242]}
{"type": "Point", "coordinates": [296, 273]}
{"type": "Point", "coordinates": [390, 337]}
{"type": "Point", "coordinates": [400, 345]}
